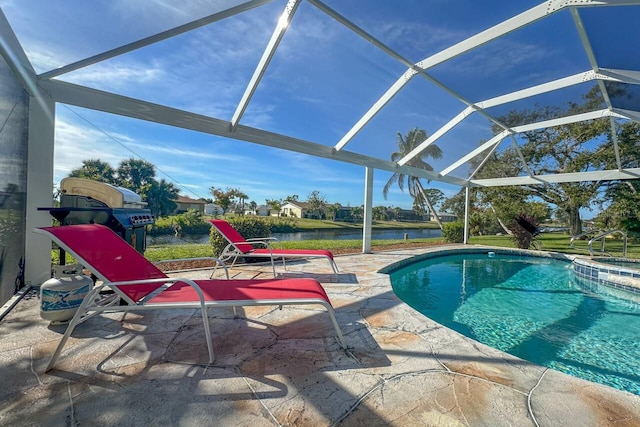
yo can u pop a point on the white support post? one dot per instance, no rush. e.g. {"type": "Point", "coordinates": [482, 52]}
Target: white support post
{"type": "Point", "coordinates": [368, 211]}
{"type": "Point", "coordinates": [39, 188]}
{"type": "Point", "coordinates": [466, 215]}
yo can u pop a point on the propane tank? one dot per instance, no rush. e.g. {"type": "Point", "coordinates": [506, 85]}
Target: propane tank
{"type": "Point", "coordinates": [61, 295]}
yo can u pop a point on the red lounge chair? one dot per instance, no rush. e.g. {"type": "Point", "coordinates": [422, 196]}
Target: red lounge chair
{"type": "Point", "coordinates": [261, 247]}
{"type": "Point", "coordinates": [142, 286]}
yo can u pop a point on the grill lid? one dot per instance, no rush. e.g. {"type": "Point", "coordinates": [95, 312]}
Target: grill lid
{"type": "Point", "coordinates": [110, 195]}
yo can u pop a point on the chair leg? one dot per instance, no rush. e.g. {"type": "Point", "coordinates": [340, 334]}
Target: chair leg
{"type": "Point", "coordinates": [334, 266]}
{"type": "Point", "coordinates": [75, 321]}
{"type": "Point", "coordinates": [207, 331]}
{"type": "Point", "coordinates": [332, 315]}
{"type": "Point", "coordinates": [273, 266]}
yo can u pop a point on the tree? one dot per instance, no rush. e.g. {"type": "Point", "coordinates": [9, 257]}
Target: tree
{"type": "Point", "coordinates": [222, 198]}
{"type": "Point", "coordinates": [435, 196]}
{"type": "Point", "coordinates": [95, 170]}
{"type": "Point", "coordinates": [397, 211]}
{"type": "Point", "coordinates": [238, 194]}
{"type": "Point", "coordinates": [379, 213]}
{"type": "Point", "coordinates": [253, 206]}
{"type": "Point", "coordinates": [136, 175]}
{"type": "Point", "coordinates": [575, 147]}
{"type": "Point", "coordinates": [293, 198]}
{"type": "Point", "coordinates": [357, 212]}
{"type": "Point", "coordinates": [332, 210]}
{"type": "Point", "coordinates": [317, 204]}
{"type": "Point", "coordinates": [161, 197]}
{"type": "Point", "coordinates": [622, 198]}
{"type": "Point", "coordinates": [406, 144]}
{"type": "Point", "coordinates": [275, 204]}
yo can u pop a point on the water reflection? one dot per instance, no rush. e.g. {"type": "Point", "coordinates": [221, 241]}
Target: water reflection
{"type": "Point", "coordinates": [311, 235]}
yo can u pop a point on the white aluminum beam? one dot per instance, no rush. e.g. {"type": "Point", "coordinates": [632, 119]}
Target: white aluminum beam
{"type": "Point", "coordinates": [607, 175]}
{"type": "Point", "coordinates": [353, 27]}
{"type": "Point", "coordinates": [390, 93]}
{"type": "Point", "coordinates": [436, 135]}
{"type": "Point", "coordinates": [538, 89]}
{"type": "Point", "coordinates": [154, 39]}
{"type": "Point", "coordinates": [11, 51]}
{"type": "Point", "coordinates": [627, 114]}
{"type": "Point", "coordinates": [519, 151]}
{"type": "Point", "coordinates": [493, 141]}
{"type": "Point", "coordinates": [499, 30]}
{"type": "Point", "coordinates": [368, 211]}
{"type": "Point", "coordinates": [68, 93]}
{"type": "Point", "coordinates": [486, 158]}
{"type": "Point", "coordinates": [623, 76]}
{"type": "Point", "coordinates": [467, 205]}
{"type": "Point", "coordinates": [510, 97]}
{"type": "Point", "coordinates": [614, 136]}
{"type": "Point", "coordinates": [267, 55]}
{"type": "Point", "coordinates": [505, 27]}
{"type": "Point", "coordinates": [525, 128]}
{"type": "Point", "coordinates": [598, 114]}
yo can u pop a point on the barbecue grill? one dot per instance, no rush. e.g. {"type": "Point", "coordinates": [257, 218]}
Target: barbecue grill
{"type": "Point", "coordinates": [83, 201]}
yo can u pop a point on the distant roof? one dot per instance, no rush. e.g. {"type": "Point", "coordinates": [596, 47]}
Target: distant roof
{"type": "Point", "coordinates": [185, 199]}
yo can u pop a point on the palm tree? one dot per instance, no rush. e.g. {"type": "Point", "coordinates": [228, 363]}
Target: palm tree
{"type": "Point", "coordinates": [405, 145]}
{"type": "Point", "coordinates": [95, 170]}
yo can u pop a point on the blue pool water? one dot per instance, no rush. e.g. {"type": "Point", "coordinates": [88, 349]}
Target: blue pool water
{"type": "Point", "coordinates": [533, 308]}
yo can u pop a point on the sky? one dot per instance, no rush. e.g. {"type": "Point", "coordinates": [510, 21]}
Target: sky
{"type": "Point", "coordinates": [321, 80]}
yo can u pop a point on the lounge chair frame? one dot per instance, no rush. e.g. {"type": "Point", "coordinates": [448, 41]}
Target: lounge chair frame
{"type": "Point", "coordinates": [93, 304]}
{"type": "Point", "coordinates": [261, 247]}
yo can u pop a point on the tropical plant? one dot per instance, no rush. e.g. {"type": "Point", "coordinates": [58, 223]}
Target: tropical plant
{"type": "Point", "coordinates": [524, 230]}
{"type": "Point", "coordinates": [136, 175]}
{"type": "Point", "coordinates": [332, 210]}
{"type": "Point", "coordinates": [95, 170]}
{"type": "Point", "coordinates": [275, 204]}
{"type": "Point", "coordinates": [406, 144]}
{"type": "Point", "coordinates": [379, 213]}
{"type": "Point", "coordinates": [161, 197]}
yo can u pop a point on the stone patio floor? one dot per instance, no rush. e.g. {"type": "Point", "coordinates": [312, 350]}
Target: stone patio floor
{"type": "Point", "coordinates": [285, 367]}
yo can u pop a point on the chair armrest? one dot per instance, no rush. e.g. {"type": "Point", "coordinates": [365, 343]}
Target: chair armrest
{"type": "Point", "coordinates": [255, 239]}
{"type": "Point", "coordinates": [218, 261]}
{"type": "Point", "coordinates": [264, 240]}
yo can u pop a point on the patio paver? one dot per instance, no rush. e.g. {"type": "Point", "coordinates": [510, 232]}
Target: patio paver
{"type": "Point", "coordinates": [284, 367]}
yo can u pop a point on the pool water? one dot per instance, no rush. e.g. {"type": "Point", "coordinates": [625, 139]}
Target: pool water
{"type": "Point", "coordinates": [533, 308]}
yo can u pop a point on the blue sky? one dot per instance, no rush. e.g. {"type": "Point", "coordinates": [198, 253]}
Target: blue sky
{"type": "Point", "coordinates": [322, 79]}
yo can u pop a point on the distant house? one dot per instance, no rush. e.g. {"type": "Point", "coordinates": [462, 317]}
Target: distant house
{"type": "Point", "coordinates": [408, 215]}
{"type": "Point", "coordinates": [261, 210]}
{"type": "Point", "coordinates": [294, 209]}
{"type": "Point", "coordinates": [185, 203]}
{"type": "Point", "coordinates": [212, 209]}
{"type": "Point", "coordinates": [444, 217]}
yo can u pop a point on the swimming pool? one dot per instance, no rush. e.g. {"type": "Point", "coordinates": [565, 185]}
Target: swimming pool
{"type": "Point", "coordinates": [531, 307]}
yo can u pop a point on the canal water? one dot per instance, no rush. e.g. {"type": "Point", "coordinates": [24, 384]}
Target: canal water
{"type": "Point", "coordinates": [357, 234]}
{"type": "Point", "coordinates": [311, 235]}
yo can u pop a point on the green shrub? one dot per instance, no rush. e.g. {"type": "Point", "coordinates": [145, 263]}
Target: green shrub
{"type": "Point", "coordinates": [453, 232]}
{"type": "Point", "coordinates": [249, 227]}
{"type": "Point", "coordinates": [190, 222]}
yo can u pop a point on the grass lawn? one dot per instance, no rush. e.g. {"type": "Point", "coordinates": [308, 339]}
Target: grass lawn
{"type": "Point", "coordinates": [555, 242]}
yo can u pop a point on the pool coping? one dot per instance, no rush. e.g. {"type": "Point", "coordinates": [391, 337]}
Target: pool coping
{"type": "Point", "coordinates": [476, 250]}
